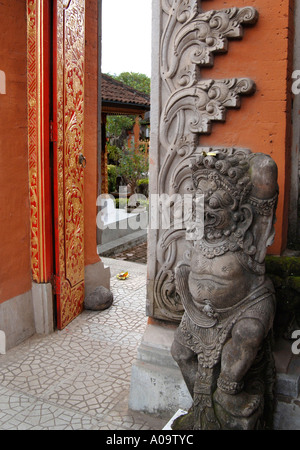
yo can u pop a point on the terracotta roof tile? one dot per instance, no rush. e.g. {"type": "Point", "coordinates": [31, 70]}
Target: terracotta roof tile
{"type": "Point", "coordinates": [115, 91]}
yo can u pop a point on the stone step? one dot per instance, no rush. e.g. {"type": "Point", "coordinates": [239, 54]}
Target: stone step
{"type": "Point", "coordinates": [121, 244]}
{"type": "Point", "coordinates": [287, 368]}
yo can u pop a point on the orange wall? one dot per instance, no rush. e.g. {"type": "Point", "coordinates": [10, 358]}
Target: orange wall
{"type": "Point", "coordinates": [15, 274]}
{"type": "Point", "coordinates": [262, 124]}
{"type": "Point", "coordinates": [15, 270]}
{"type": "Point", "coordinates": [90, 140]}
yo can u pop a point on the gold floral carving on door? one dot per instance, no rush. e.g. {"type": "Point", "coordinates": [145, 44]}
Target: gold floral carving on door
{"type": "Point", "coordinates": [68, 138]}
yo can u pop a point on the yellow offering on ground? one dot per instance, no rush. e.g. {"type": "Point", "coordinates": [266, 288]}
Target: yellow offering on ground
{"type": "Point", "coordinates": [123, 276]}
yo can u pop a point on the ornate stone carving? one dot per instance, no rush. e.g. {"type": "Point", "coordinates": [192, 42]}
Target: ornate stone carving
{"type": "Point", "coordinates": [222, 343]}
{"type": "Point", "coordinates": [191, 38]}
{"type": "Point", "coordinates": [194, 109]}
{"type": "Point", "coordinates": [210, 275]}
{"type": "Point", "coordinates": [188, 108]}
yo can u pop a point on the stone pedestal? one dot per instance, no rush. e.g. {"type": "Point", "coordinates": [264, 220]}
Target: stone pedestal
{"type": "Point", "coordinates": [17, 321]}
{"type": "Point", "coordinates": [96, 275]}
{"type": "Point", "coordinates": [157, 386]}
{"type": "Point", "coordinates": [42, 298]}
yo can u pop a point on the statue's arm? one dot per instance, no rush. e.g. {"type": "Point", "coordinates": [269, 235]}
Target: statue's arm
{"type": "Point", "coordinates": [181, 281]}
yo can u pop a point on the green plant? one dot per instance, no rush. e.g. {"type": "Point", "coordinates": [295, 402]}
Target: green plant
{"type": "Point", "coordinates": [138, 81]}
{"type": "Point", "coordinates": [113, 152]}
{"type": "Point", "coordinates": [117, 124]}
{"type": "Point", "coordinates": [112, 177]}
{"type": "Point", "coordinates": [121, 202]}
{"type": "Point", "coordinates": [143, 186]}
{"type": "Point", "coordinates": [133, 165]}
{"type": "Point", "coordinates": [143, 181]}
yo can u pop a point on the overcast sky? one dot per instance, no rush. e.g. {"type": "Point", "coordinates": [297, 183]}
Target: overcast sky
{"type": "Point", "coordinates": [126, 36]}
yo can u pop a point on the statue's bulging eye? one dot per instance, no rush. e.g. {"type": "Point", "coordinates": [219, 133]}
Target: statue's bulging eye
{"type": "Point", "coordinates": [214, 203]}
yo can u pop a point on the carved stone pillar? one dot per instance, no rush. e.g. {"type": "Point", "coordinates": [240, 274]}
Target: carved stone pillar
{"type": "Point", "coordinates": [184, 107]}
{"type": "Point", "coordinates": [187, 271]}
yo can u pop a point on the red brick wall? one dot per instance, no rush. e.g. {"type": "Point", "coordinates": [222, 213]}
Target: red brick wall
{"type": "Point", "coordinates": [15, 271]}
{"type": "Point", "coordinates": [15, 274]}
{"type": "Point", "coordinates": [263, 124]}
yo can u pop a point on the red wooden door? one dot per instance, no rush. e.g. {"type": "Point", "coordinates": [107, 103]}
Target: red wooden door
{"type": "Point", "coordinates": [68, 160]}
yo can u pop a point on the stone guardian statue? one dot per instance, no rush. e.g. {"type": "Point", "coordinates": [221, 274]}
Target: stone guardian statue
{"type": "Point", "coordinates": [222, 344]}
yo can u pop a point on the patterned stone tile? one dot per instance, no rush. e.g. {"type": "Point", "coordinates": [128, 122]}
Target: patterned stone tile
{"type": "Point", "coordinates": [34, 374]}
{"type": "Point", "coordinates": [17, 353]}
{"type": "Point", "coordinates": [123, 318]}
{"type": "Point", "coordinates": [89, 392]}
{"type": "Point", "coordinates": [135, 299]}
{"type": "Point", "coordinates": [119, 266]}
{"type": "Point", "coordinates": [75, 350]}
{"type": "Point", "coordinates": [119, 360]}
{"type": "Point", "coordinates": [79, 378]}
{"type": "Point", "coordinates": [134, 282]}
{"type": "Point", "coordinates": [21, 412]}
{"type": "Point", "coordinates": [125, 419]}
{"type": "Point", "coordinates": [135, 302]}
{"type": "Point", "coordinates": [11, 404]}
{"type": "Point", "coordinates": [104, 333]}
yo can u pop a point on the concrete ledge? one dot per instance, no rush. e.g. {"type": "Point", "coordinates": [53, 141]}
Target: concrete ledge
{"type": "Point", "coordinates": [287, 416]}
{"type": "Point", "coordinates": [121, 224]}
{"type": "Point", "coordinates": [157, 391]}
{"type": "Point", "coordinates": [287, 369]}
{"type": "Point", "coordinates": [123, 243]}
{"type": "Point", "coordinates": [17, 319]}
{"type": "Point", "coordinates": [288, 385]}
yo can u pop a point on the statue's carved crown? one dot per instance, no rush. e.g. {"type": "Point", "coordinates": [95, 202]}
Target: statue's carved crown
{"type": "Point", "coordinates": [230, 168]}
{"type": "Point", "coordinates": [225, 178]}
{"type": "Point", "coordinates": [230, 171]}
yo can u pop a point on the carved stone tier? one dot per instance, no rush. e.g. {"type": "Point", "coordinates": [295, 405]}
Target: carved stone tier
{"type": "Point", "coordinates": [185, 107]}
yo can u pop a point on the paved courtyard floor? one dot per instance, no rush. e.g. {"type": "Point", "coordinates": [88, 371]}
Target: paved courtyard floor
{"type": "Point", "coordinates": [79, 378]}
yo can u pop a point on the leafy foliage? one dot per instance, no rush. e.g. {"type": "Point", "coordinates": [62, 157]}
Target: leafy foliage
{"type": "Point", "coordinates": [138, 81]}
{"type": "Point", "coordinates": [130, 164]}
{"type": "Point", "coordinates": [113, 153]}
{"type": "Point", "coordinates": [117, 124]}
{"type": "Point", "coordinates": [133, 165]}
{"type": "Point", "coordinates": [112, 177]}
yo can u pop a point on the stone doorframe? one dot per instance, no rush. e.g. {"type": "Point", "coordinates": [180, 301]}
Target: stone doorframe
{"type": "Point", "coordinates": [39, 130]}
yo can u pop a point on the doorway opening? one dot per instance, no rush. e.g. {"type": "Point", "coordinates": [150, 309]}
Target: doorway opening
{"type": "Point", "coordinates": [125, 125]}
